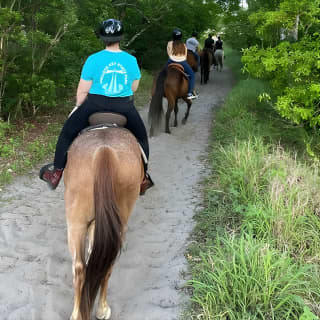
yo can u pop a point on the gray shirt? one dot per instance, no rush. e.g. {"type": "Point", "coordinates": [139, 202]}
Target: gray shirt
{"type": "Point", "coordinates": [192, 44]}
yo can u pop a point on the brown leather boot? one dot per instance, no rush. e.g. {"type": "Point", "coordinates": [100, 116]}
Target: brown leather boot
{"type": "Point", "coordinates": [146, 184]}
{"type": "Point", "coordinates": [51, 175]}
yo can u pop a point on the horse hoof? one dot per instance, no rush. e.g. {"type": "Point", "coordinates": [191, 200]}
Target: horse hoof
{"type": "Point", "coordinates": [103, 314]}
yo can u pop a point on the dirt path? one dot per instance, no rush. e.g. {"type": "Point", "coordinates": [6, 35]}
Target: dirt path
{"type": "Point", "coordinates": [35, 266]}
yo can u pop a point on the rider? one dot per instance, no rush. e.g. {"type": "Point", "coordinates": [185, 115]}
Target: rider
{"type": "Point", "coordinates": [219, 44]}
{"type": "Point", "coordinates": [177, 52]}
{"type": "Point", "coordinates": [209, 43]}
{"type": "Point", "coordinates": [108, 79]}
{"type": "Point", "coordinates": [192, 45]}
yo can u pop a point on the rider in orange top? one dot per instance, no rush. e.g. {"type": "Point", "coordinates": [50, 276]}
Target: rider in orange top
{"type": "Point", "coordinates": [177, 52]}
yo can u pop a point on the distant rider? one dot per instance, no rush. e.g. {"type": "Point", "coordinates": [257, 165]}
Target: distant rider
{"type": "Point", "coordinates": [192, 45]}
{"type": "Point", "coordinates": [177, 52]}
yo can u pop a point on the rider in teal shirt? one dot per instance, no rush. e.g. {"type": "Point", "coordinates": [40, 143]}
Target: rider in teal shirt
{"type": "Point", "coordinates": [112, 73]}
{"type": "Point", "coordinates": [108, 80]}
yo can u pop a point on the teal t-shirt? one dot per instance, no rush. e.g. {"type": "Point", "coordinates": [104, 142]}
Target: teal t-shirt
{"type": "Point", "coordinates": [111, 73]}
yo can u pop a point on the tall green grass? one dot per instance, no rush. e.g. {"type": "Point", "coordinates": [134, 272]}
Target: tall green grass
{"type": "Point", "coordinates": [244, 278]}
{"type": "Point", "coordinates": [255, 253]}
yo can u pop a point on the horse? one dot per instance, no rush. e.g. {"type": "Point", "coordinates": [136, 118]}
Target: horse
{"type": "Point", "coordinates": [192, 61]}
{"type": "Point", "coordinates": [219, 55]}
{"type": "Point", "coordinates": [172, 84]}
{"type": "Point", "coordinates": [98, 203]}
{"type": "Point", "coordinates": [206, 62]}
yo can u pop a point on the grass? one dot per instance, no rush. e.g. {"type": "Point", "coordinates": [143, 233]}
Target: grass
{"type": "Point", "coordinates": [28, 142]}
{"type": "Point", "coordinates": [244, 278]}
{"type": "Point", "coordinates": [143, 93]}
{"type": "Point", "coordinates": [255, 248]}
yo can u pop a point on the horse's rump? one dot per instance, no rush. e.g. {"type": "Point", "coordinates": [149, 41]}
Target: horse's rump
{"type": "Point", "coordinates": [219, 56]}
{"type": "Point", "coordinates": [176, 83]}
{"type": "Point", "coordinates": [178, 67]}
{"type": "Point", "coordinates": [192, 60]}
{"type": "Point", "coordinates": [102, 182]}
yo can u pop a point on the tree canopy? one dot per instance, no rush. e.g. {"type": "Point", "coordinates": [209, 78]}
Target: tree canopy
{"type": "Point", "coordinates": [44, 45]}
{"type": "Point", "coordinates": [280, 42]}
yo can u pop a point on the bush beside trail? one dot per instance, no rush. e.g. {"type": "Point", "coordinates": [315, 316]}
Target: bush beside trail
{"type": "Point", "coordinates": [255, 253]}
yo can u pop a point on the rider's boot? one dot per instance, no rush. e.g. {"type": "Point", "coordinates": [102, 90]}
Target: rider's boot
{"type": "Point", "coordinates": [51, 175]}
{"type": "Point", "coordinates": [146, 184]}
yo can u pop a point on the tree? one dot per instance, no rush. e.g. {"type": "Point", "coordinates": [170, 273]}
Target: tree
{"type": "Point", "coordinates": [293, 64]}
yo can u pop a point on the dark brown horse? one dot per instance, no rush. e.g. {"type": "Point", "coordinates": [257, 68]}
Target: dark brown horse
{"type": "Point", "coordinates": [206, 62]}
{"type": "Point", "coordinates": [172, 84]}
{"type": "Point", "coordinates": [192, 61]}
{"type": "Point", "coordinates": [98, 204]}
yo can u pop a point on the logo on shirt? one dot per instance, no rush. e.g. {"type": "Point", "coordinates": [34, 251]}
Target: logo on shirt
{"type": "Point", "coordinates": [113, 78]}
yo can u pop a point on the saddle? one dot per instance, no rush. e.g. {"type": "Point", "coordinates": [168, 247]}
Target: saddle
{"type": "Point", "coordinates": [178, 67]}
{"type": "Point", "coordinates": [104, 120]}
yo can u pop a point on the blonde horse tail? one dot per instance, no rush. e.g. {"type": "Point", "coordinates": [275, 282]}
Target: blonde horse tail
{"type": "Point", "coordinates": [108, 229]}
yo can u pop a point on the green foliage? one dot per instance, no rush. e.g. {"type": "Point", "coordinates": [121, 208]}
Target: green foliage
{"type": "Point", "coordinates": [255, 253]}
{"type": "Point", "coordinates": [248, 279]}
{"type": "Point", "coordinates": [293, 71]}
{"type": "Point", "coordinates": [44, 45]}
{"type": "Point", "coordinates": [308, 315]}
{"type": "Point", "coordinates": [292, 67]}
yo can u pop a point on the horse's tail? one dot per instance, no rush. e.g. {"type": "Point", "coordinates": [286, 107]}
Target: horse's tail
{"type": "Point", "coordinates": [219, 56]}
{"type": "Point", "coordinates": [108, 228]}
{"type": "Point", "coordinates": [155, 110]}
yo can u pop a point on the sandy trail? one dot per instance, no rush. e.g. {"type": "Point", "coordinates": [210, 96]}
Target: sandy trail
{"type": "Point", "coordinates": [35, 266]}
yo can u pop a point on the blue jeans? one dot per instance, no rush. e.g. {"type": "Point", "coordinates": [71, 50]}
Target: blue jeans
{"type": "Point", "coordinates": [188, 71]}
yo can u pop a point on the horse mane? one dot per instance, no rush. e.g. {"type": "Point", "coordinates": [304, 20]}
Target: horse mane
{"type": "Point", "coordinates": [108, 229]}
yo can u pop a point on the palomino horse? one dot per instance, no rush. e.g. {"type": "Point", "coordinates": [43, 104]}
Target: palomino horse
{"type": "Point", "coordinates": [172, 84]}
{"type": "Point", "coordinates": [192, 61]}
{"type": "Point", "coordinates": [98, 204]}
{"type": "Point", "coordinates": [219, 55]}
{"type": "Point", "coordinates": [206, 62]}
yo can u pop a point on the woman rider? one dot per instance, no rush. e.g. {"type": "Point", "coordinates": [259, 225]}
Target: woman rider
{"type": "Point", "coordinates": [177, 52]}
{"type": "Point", "coordinates": [108, 79]}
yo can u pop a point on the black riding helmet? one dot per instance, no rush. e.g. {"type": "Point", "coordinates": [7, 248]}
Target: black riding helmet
{"type": "Point", "coordinates": [111, 30]}
{"type": "Point", "coordinates": [177, 34]}
{"type": "Point", "coordinates": [194, 34]}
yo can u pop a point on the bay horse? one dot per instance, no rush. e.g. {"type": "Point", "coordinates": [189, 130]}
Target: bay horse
{"type": "Point", "coordinates": [98, 203]}
{"type": "Point", "coordinates": [206, 62]}
{"type": "Point", "coordinates": [192, 61]}
{"type": "Point", "coordinates": [171, 83]}
{"type": "Point", "coordinates": [219, 55]}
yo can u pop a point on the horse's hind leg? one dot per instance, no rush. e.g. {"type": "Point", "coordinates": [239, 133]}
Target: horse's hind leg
{"type": "Point", "coordinates": [168, 113]}
{"type": "Point", "coordinates": [189, 103]}
{"type": "Point", "coordinates": [103, 311]}
{"type": "Point", "coordinates": [76, 242]}
{"type": "Point", "coordinates": [176, 109]}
